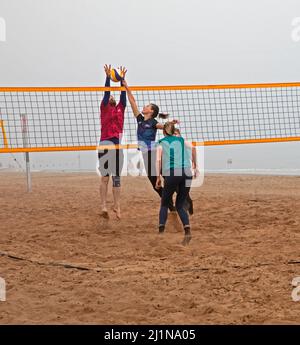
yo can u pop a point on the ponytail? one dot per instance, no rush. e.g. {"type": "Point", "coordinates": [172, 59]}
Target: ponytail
{"type": "Point", "coordinates": [163, 115]}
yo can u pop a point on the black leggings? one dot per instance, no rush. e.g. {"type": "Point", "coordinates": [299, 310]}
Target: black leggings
{"type": "Point", "coordinates": [149, 158]}
{"type": "Point", "coordinates": [174, 184]}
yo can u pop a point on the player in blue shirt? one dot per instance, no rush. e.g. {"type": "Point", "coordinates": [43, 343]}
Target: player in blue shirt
{"type": "Point", "coordinates": [146, 133]}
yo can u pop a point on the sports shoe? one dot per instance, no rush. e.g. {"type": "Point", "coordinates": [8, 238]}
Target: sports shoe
{"type": "Point", "coordinates": [161, 229]}
{"type": "Point", "coordinates": [187, 236]}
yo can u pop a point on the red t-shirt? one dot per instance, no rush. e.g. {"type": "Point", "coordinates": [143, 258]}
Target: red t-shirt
{"type": "Point", "coordinates": [112, 120]}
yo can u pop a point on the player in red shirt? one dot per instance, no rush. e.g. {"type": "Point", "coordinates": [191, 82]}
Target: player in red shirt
{"type": "Point", "coordinates": [111, 161]}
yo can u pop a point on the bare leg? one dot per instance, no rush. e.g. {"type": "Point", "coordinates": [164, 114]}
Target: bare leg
{"type": "Point", "coordinates": [116, 195]}
{"type": "Point", "coordinates": [103, 194]}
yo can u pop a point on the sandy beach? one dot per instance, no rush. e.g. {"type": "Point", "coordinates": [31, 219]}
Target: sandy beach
{"type": "Point", "coordinates": [63, 264]}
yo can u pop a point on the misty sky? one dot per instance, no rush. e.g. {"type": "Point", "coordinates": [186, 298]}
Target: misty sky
{"type": "Point", "coordinates": [161, 42]}
{"type": "Point", "coordinates": [66, 42]}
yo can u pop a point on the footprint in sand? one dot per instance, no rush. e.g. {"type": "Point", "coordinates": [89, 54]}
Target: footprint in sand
{"type": "Point", "coordinates": [104, 214]}
{"type": "Point", "coordinates": [103, 221]}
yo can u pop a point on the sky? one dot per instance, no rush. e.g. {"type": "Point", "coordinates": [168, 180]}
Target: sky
{"type": "Point", "coordinates": [66, 42]}
{"type": "Point", "coordinates": [161, 42]}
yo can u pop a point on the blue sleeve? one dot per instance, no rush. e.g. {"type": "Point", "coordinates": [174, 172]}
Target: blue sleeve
{"type": "Point", "coordinates": [123, 97]}
{"type": "Point", "coordinates": [140, 117]}
{"type": "Point", "coordinates": [106, 93]}
{"type": "Point", "coordinates": [154, 123]}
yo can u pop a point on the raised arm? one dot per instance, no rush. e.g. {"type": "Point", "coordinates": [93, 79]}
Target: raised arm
{"type": "Point", "coordinates": [131, 99]}
{"type": "Point", "coordinates": [123, 93]}
{"type": "Point", "coordinates": [107, 70]}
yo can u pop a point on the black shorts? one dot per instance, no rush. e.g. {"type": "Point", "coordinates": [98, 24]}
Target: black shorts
{"type": "Point", "coordinates": [110, 161]}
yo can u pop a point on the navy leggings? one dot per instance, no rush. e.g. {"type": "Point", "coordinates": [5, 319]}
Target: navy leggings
{"type": "Point", "coordinates": [149, 158]}
{"type": "Point", "coordinates": [175, 184]}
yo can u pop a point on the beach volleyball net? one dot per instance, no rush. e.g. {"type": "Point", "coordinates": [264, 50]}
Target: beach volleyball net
{"type": "Point", "coordinates": [68, 118]}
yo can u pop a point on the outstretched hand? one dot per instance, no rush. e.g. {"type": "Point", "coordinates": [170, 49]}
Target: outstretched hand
{"type": "Point", "coordinates": [107, 69]}
{"type": "Point", "coordinates": [123, 71]}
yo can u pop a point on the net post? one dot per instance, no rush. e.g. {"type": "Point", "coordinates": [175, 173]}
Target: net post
{"type": "Point", "coordinates": [25, 144]}
{"type": "Point", "coordinates": [4, 134]}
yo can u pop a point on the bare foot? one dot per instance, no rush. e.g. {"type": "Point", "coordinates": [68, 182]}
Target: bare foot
{"type": "Point", "coordinates": [117, 211]}
{"type": "Point", "coordinates": [104, 214]}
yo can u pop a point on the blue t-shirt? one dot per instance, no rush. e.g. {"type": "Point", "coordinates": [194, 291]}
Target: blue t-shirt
{"type": "Point", "coordinates": [146, 132]}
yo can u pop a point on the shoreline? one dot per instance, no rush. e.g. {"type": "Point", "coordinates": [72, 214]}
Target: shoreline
{"type": "Point", "coordinates": [234, 172]}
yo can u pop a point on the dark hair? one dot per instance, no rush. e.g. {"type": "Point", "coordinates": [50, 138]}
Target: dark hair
{"type": "Point", "coordinates": [155, 109]}
{"type": "Point", "coordinates": [156, 112]}
{"type": "Point", "coordinates": [163, 115]}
